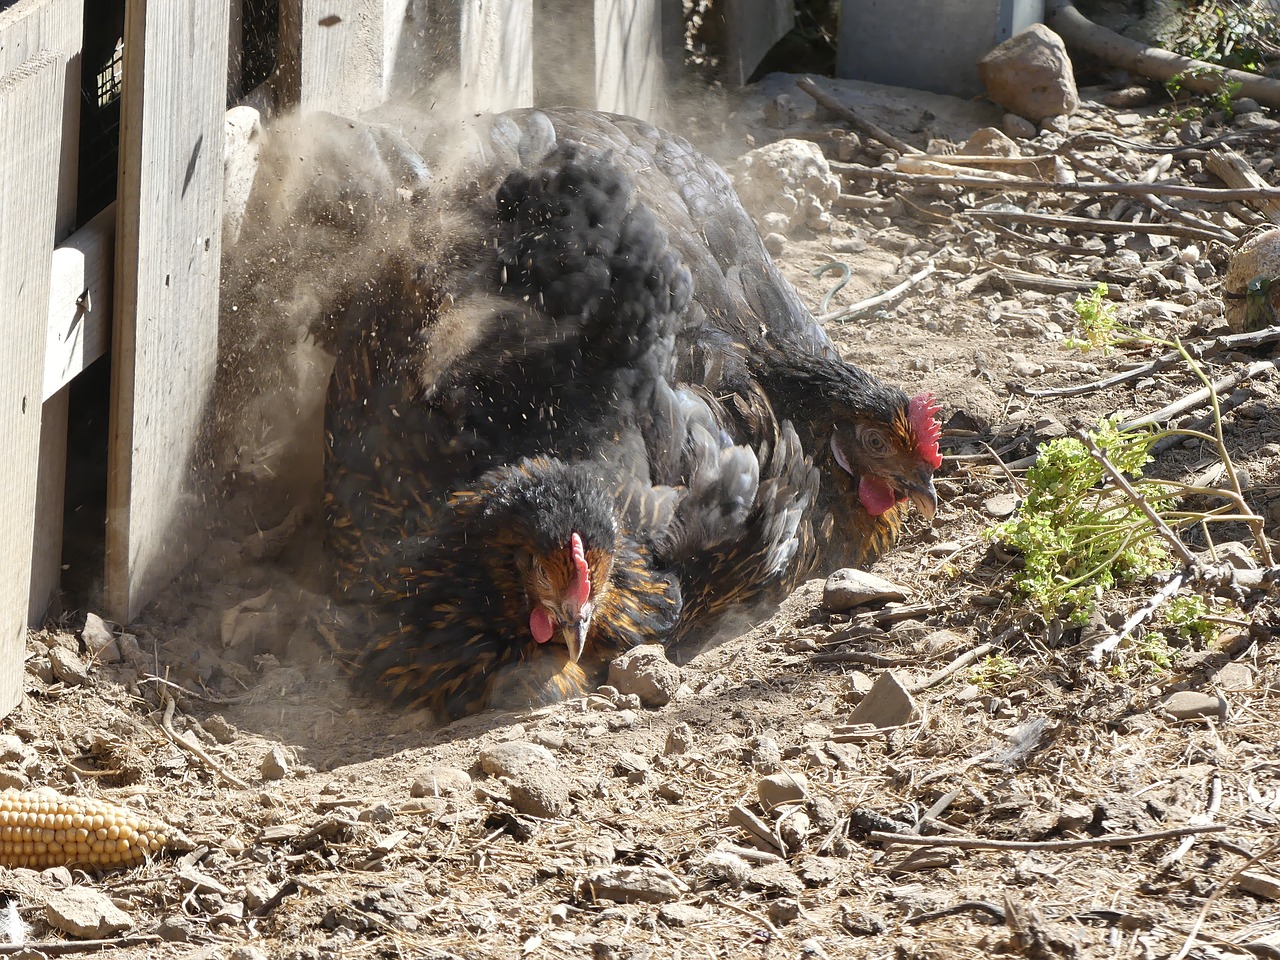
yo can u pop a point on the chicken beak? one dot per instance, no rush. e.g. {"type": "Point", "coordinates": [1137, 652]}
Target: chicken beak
{"type": "Point", "coordinates": [923, 495]}
{"type": "Point", "coordinates": [575, 634]}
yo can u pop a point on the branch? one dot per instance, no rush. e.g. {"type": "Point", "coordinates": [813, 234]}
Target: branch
{"type": "Point", "coordinates": [863, 126]}
{"type": "Point", "coordinates": [848, 313]}
{"type": "Point", "coordinates": [979, 843]}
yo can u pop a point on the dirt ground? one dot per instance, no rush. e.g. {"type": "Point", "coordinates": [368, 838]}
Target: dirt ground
{"type": "Point", "coordinates": [1051, 790]}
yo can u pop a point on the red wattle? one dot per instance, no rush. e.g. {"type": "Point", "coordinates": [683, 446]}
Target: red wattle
{"type": "Point", "coordinates": [876, 495]}
{"type": "Point", "coordinates": [540, 625]}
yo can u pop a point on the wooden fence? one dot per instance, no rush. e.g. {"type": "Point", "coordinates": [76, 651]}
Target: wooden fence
{"type": "Point", "coordinates": [140, 278]}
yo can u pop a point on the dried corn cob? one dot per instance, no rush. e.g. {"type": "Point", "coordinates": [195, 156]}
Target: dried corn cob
{"type": "Point", "coordinates": [43, 828]}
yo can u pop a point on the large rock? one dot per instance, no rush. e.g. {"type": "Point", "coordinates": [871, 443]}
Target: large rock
{"type": "Point", "coordinates": [1030, 74]}
{"type": "Point", "coordinates": [787, 183]}
{"type": "Point", "coordinates": [1251, 294]}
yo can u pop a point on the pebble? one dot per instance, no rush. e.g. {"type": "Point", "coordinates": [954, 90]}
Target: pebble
{"type": "Point", "coordinates": [888, 704]}
{"type": "Point", "coordinates": [1194, 705]}
{"type": "Point", "coordinates": [1019, 128]}
{"type": "Point", "coordinates": [681, 914]}
{"type": "Point", "coordinates": [98, 638]}
{"type": "Point", "coordinates": [68, 667]}
{"type": "Point", "coordinates": [849, 588]}
{"type": "Point", "coordinates": [275, 765]}
{"type": "Point", "coordinates": [1233, 677]}
{"type": "Point", "coordinates": [778, 789]}
{"type": "Point", "coordinates": [784, 910]}
{"type": "Point", "coordinates": [648, 884]}
{"type": "Point", "coordinates": [766, 755]}
{"type": "Point", "coordinates": [1001, 505]}
{"type": "Point", "coordinates": [440, 782]}
{"type": "Point", "coordinates": [860, 684]}
{"type": "Point", "coordinates": [679, 740]}
{"type": "Point", "coordinates": [780, 112]}
{"type": "Point", "coordinates": [82, 912]}
{"type": "Point", "coordinates": [775, 243]}
{"type": "Point", "coordinates": [646, 672]}
{"type": "Point", "coordinates": [515, 757]}
{"type": "Point", "coordinates": [175, 929]}
{"type": "Point", "coordinates": [944, 548]}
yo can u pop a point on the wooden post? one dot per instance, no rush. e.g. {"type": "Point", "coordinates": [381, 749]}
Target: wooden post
{"type": "Point", "coordinates": [27, 27]}
{"type": "Point", "coordinates": [31, 105]}
{"type": "Point", "coordinates": [168, 244]}
{"type": "Point", "coordinates": [333, 54]}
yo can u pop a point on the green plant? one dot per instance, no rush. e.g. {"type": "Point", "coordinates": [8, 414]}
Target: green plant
{"type": "Point", "coordinates": [1188, 617]}
{"type": "Point", "coordinates": [1153, 647]}
{"type": "Point", "coordinates": [995, 671]}
{"type": "Point", "coordinates": [1098, 321]}
{"type": "Point", "coordinates": [1078, 536]}
{"type": "Point", "coordinates": [1237, 35]}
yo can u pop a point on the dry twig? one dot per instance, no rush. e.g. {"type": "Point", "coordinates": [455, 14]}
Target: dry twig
{"type": "Point", "coordinates": [859, 123]}
{"type": "Point", "coordinates": [863, 306]}
{"type": "Point", "coordinates": [166, 724]}
{"type": "Point", "coordinates": [980, 843]}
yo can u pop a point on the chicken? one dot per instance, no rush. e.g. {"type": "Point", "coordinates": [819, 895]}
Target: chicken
{"type": "Point", "coordinates": [605, 306]}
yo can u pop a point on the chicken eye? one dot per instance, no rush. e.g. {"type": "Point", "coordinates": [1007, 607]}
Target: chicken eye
{"type": "Point", "coordinates": [875, 441]}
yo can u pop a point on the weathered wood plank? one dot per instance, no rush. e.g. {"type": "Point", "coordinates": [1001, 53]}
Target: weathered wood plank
{"type": "Point", "coordinates": [26, 27]}
{"type": "Point", "coordinates": [333, 54]}
{"type": "Point", "coordinates": [80, 301]}
{"type": "Point", "coordinates": [31, 103]}
{"type": "Point", "coordinates": [168, 244]}
{"type": "Point", "coordinates": [629, 66]}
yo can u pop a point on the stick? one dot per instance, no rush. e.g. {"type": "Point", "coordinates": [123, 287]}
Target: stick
{"type": "Point", "coordinates": [1217, 892]}
{"type": "Point", "coordinates": [863, 126]}
{"type": "Point", "coordinates": [60, 948]}
{"type": "Point", "coordinates": [1090, 225]}
{"type": "Point", "coordinates": [1203, 194]}
{"type": "Point", "coordinates": [1201, 396]}
{"type": "Point", "coordinates": [848, 313]}
{"type": "Point", "coordinates": [1152, 604]}
{"type": "Point", "coordinates": [1200, 352]}
{"type": "Point", "coordinates": [959, 663]}
{"type": "Point", "coordinates": [1121, 481]}
{"type": "Point", "coordinates": [166, 724]}
{"type": "Point", "coordinates": [1180, 851]}
{"type": "Point", "coordinates": [980, 843]}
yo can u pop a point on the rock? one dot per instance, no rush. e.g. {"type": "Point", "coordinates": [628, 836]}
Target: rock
{"type": "Point", "coordinates": [68, 667]}
{"type": "Point", "coordinates": [1001, 505]}
{"type": "Point", "coordinates": [82, 912]}
{"type": "Point", "coordinates": [275, 765]}
{"type": "Point", "coordinates": [245, 951]}
{"type": "Point", "coordinates": [175, 929]}
{"type": "Point", "coordinates": [98, 638]}
{"type": "Point", "coordinates": [778, 789]}
{"type": "Point", "coordinates": [513, 758]}
{"type": "Point", "coordinates": [1233, 553]}
{"type": "Point", "coordinates": [1018, 127]}
{"type": "Point", "coordinates": [790, 177]}
{"type": "Point", "coordinates": [1194, 705]}
{"type": "Point", "coordinates": [1030, 74]}
{"type": "Point", "coordinates": [1234, 677]}
{"type": "Point", "coordinates": [1127, 97]}
{"type": "Point", "coordinates": [784, 910]}
{"type": "Point", "coordinates": [681, 914]}
{"type": "Point", "coordinates": [1057, 124]}
{"type": "Point", "coordinates": [632, 885]}
{"type": "Point", "coordinates": [440, 782]}
{"type": "Point", "coordinates": [646, 672]}
{"type": "Point", "coordinates": [990, 142]}
{"type": "Point", "coordinates": [1260, 884]}
{"type": "Point", "coordinates": [780, 112]}
{"type": "Point", "coordinates": [766, 755]}
{"type": "Point", "coordinates": [1255, 264]}
{"type": "Point", "coordinates": [849, 588]}
{"type": "Point", "coordinates": [218, 728]}
{"type": "Point", "coordinates": [13, 752]}
{"type": "Point", "coordinates": [889, 704]}
{"type": "Point", "coordinates": [679, 740]}
{"type": "Point", "coordinates": [860, 684]}
{"type": "Point", "coordinates": [775, 243]}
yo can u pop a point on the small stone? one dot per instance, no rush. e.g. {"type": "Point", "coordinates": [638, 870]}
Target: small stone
{"type": "Point", "coordinates": [849, 588]}
{"type": "Point", "coordinates": [1048, 428]}
{"type": "Point", "coordinates": [515, 757]}
{"type": "Point", "coordinates": [775, 243]}
{"type": "Point", "coordinates": [1019, 128]}
{"type": "Point", "coordinates": [1060, 123]}
{"type": "Point", "coordinates": [440, 782]}
{"type": "Point", "coordinates": [632, 885]}
{"type": "Point", "coordinates": [1239, 556]}
{"type": "Point", "coordinates": [174, 929]}
{"type": "Point", "coordinates": [218, 728]}
{"type": "Point", "coordinates": [82, 912]}
{"type": "Point", "coordinates": [1245, 105]}
{"type": "Point", "coordinates": [943, 548]}
{"type": "Point", "coordinates": [889, 704]}
{"type": "Point", "coordinates": [98, 638]}
{"type": "Point", "coordinates": [1127, 97]}
{"type": "Point", "coordinates": [778, 789]}
{"type": "Point", "coordinates": [860, 684]}
{"type": "Point", "coordinates": [1234, 677]}
{"type": "Point", "coordinates": [246, 951]}
{"type": "Point", "coordinates": [1001, 505]}
{"type": "Point", "coordinates": [1194, 705]}
{"type": "Point", "coordinates": [275, 765]}
{"type": "Point", "coordinates": [679, 740]}
{"type": "Point", "coordinates": [766, 755]}
{"type": "Point", "coordinates": [989, 142]}
{"type": "Point", "coordinates": [646, 672]}
{"type": "Point", "coordinates": [780, 112]}
{"type": "Point", "coordinates": [1260, 884]}
{"type": "Point", "coordinates": [68, 667]}
{"type": "Point", "coordinates": [784, 910]}
{"type": "Point", "coordinates": [681, 914]}
{"type": "Point", "coordinates": [14, 751]}
{"type": "Point", "coordinates": [380, 812]}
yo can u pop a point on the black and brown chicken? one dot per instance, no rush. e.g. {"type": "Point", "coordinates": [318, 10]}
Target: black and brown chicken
{"type": "Point", "coordinates": [604, 329]}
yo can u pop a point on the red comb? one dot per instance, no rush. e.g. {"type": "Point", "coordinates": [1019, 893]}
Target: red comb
{"type": "Point", "coordinates": [581, 592]}
{"type": "Point", "coordinates": [920, 412]}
